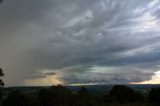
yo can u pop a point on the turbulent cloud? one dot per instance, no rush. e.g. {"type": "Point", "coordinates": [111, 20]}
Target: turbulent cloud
{"type": "Point", "coordinates": [100, 42]}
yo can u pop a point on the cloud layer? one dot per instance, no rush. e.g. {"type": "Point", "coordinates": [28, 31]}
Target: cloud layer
{"type": "Point", "coordinates": [80, 42]}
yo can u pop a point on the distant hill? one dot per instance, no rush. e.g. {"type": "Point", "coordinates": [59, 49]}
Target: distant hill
{"type": "Point", "coordinates": [92, 88]}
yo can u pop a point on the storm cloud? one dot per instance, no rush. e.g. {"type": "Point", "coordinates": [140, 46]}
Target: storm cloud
{"type": "Point", "coordinates": [80, 41]}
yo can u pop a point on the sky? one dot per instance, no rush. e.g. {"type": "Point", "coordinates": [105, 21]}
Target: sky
{"type": "Point", "coordinates": [79, 42]}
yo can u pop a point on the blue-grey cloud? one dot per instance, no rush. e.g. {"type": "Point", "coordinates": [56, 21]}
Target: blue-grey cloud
{"type": "Point", "coordinates": [79, 40]}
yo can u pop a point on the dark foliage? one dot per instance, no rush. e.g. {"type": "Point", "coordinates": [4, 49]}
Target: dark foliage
{"type": "Point", "coordinates": [1, 82]}
{"type": "Point", "coordinates": [85, 98]}
{"type": "Point", "coordinates": [55, 96]}
{"type": "Point", "coordinates": [154, 95]}
{"type": "Point", "coordinates": [1, 75]}
{"type": "Point", "coordinates": [17, 98]}
{"type": "Point", "coordinates": [124, 94]}
{"type": "Point", "coordinates": [59, 95]}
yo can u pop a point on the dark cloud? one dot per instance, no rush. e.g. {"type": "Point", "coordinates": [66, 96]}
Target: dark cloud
{"type": "Point", "coordinates": [105, 41]}
{"type": "Point", "coordinates": [118, 75]}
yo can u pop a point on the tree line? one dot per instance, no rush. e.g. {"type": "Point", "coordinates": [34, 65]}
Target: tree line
{"type": "Point", "coordinates": [119, 95]}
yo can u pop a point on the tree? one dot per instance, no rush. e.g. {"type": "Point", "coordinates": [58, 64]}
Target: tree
{"type": "Point", "coordinates": [1, 75]}
{"type": "Point", "coordinates": [54, 96]}
{"type": "Point", "coordinates": [154, 95]}
{"type": "Point", "coordinates": [83, 92]}
{"type": "Point", "coordinates": [85, 98]}
{"type": "Point", "coordinates": [1, 82]}
{"type": "Point", "coordinates": [17, 98]}
{"type": "Point", "coordinates": [124, 94]}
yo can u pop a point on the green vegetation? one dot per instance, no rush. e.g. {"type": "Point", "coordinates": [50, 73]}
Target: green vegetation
{"type": "Point", "coordinates": [119, 95]}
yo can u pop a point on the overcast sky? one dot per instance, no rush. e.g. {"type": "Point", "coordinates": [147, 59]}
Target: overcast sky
{"type": "Point", "coordinates": [44, 42]}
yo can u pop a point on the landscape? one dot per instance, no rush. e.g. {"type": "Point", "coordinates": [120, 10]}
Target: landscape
{"type": "Point", "coordinates": [91, 95]}
{"type": "Point", "coordinates": [79, 52]}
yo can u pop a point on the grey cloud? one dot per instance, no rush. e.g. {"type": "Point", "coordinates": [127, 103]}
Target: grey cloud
{"type": "Point", "coordinates": [41, 75]}
{"type": "Point", "coordinates": [124, 77]}
{"type": "Point", "coordinates": [15, 14]}
{"type": "Point", "coordinates": [70, 37]}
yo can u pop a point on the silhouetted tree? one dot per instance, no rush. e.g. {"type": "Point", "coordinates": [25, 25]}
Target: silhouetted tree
{"type": "Point", "coordinates": [83, 92]}
{"type": "Point", "coordinates": [1, 75]}
{"type": "Point", "coordinates": [1, 82]}
{"type": "Point", "coordinates": [17, 98]}
{"type": "Point", "coordinates": [85, 98]}
{"type": "Point", "coordinates": [124, 94]}
{"type": "Point", "coordinates": [43, 97]}
{"type": "Point", "coordinates": [55, 96]}
{"type": "Point", "coordinates": [154, 95]}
